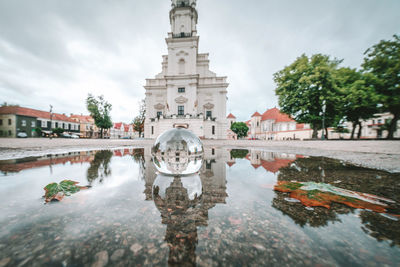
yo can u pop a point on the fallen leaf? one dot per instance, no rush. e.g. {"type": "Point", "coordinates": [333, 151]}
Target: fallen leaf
{"type": "Point", "coordinates": [56, 191]}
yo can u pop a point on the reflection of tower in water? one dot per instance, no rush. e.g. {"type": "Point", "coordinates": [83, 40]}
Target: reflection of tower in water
{"type": "Point", "coordinates": [183, 205]}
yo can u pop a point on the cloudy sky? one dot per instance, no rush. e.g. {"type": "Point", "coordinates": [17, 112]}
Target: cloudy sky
{"type": "Point", "coordinates": [57, 51]}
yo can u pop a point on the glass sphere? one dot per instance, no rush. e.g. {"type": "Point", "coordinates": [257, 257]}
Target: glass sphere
{"type": "Point", "coordinates": [178, 152]}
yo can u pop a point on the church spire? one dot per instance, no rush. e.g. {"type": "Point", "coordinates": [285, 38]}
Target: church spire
{"type": "Point", "coordinates": [183, 18]}
{"type": "Point", "coordinates": [181, 3]}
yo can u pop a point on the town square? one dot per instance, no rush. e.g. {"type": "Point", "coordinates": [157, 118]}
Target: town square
{"type": "Point", "coordinates": [269, 135]}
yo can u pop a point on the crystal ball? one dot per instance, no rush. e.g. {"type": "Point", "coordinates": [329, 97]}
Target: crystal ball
{"type": "Point", "coordinates": [177, 152]}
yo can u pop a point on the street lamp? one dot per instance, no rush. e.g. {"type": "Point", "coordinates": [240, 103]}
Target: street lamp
{"type": "Point", "coordinates": [323, 119]}
{"type": "Point", "coordinates": [51, 121]}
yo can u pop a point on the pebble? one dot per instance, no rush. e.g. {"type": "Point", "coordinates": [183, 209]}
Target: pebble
{"type": "Point", "coordinates": [24, 262]}
{"type": "Point", "coordinates": [217, 230]}
{"type": "Point", "coordinates": [117, 254]}
{"type": "Point", "coordinates": [292, 200]}
{"type": "Point", "coordinates": [135, 248]}
{"type": "Point", "coordinates": [4, 261]}
{"type": "Point", "coordinates": [101, 259]}
{"type": "Point", "coordinates": [259, 247]}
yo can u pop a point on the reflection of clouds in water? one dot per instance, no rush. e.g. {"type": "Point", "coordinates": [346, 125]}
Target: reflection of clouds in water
{"type": "Point", "coordinates": [191, 183]}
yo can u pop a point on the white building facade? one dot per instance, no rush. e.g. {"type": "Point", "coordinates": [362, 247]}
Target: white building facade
{"type": "Point", "coordinates": [186, 93]}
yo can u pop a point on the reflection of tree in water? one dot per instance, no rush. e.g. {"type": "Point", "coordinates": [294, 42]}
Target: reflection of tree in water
{"type": "Point", "coordinates": [138, 157]}
{"type": "Point", "coordinates": [380, 227]}
{"type": "Point", "coordinates": [99, 167]}
{"type": "Point", "coordinates": [350, 177]}
{"type": "Point", "coordinates": [337, 173]}
{"type": "Point", "coordinates": [314, 217]}
{"type": "Point", "coordinates": [239, 153]}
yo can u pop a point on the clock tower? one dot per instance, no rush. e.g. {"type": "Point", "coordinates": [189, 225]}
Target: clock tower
{"type": "Point", "coordinates": [186, 93]}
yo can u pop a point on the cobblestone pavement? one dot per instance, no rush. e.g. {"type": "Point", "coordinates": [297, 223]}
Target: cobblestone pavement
{"type": "Point", "coordinates": [380, 154]}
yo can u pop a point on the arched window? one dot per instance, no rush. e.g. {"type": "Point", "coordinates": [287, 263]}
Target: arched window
{"type": "Point", "coordinates": [182, 66]}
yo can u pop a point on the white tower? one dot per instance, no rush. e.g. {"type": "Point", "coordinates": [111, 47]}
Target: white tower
{"type": "Point", "coordinates": [186, 93]}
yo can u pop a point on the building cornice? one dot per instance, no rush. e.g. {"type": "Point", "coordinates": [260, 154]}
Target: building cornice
{"type": "Point", "coordinates": [217, 85]}
{"type": "Point", "coordinates": [194, 39]}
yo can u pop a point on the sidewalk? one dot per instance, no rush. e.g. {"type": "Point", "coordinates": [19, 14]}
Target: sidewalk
{"type": "Point", "coordinates": [380, 154]}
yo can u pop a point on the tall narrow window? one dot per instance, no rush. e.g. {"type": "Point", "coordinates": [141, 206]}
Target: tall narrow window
{"type": "Point", "coordinates": [152, 130]}
{"type": "Point", "coordinates": [213, 129]}
{"type": "Point", "coordinates": [9, 121]}
{"type": "Point", "coordinates": [213, 151]}
{"type": "Point", "coordinates": [181, 110]}
{"type": "Point", "coordinates": [33, 124]}
{"type": "Point", "coordinates": [159, 114]}
{"type": "Point", "coordinates": [208, 165]}
{"type": "Point", "coordinates": [23, 123]}
{"type": "Point", "coordinates": [1, 122]}
{"type": "Point", "coordinates": [208, 114]}
{"type": "Point", "coordinates": [182, 66]}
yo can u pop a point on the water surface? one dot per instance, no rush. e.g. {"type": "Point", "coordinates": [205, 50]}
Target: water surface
{"type": "Point", "coordinates": [233, 216]}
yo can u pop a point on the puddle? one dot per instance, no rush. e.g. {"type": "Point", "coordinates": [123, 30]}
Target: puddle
{"type": "Point", "coordinates": [231, 213]}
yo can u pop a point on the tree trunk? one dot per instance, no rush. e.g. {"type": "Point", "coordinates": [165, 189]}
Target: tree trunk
{"type": "Point", "coordinates": [354, 129]}
{"type": "Point", "coordinates": [393, 126]}
{"type": "Point", "coordinates": [315, 132]}
{"type": "Point", "coordinates": [326, 133]}
{"type": "Point", "coordinates": [101, 133]}
{"type": "Point", "coordinates": [359, 130]}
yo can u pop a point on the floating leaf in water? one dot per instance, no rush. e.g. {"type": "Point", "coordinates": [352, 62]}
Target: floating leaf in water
{"type": "Point", "coordinates": [320, 194]}
{"type": "Point", "coordinates": [56, 191]}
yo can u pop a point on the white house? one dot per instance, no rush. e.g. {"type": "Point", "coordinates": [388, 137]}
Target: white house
{"type": "Point", "coordinates": [122, 130]}
{"type": "Point", "coordinates": [186, 93]}
{"type": "Point", "coordinates": [274, 125]}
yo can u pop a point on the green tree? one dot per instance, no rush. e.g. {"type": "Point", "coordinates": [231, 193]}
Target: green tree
{"type": "Point", "coordinates": [305, 86]}
{"type": "Point", "coordinates": [38, 131]}
{"type": "Point", "coordinates": [240, 128]}
{"type": "Point", "coordinates": [138, 121]}
{"type": "Point", "coordinates": [99, 109]}
{"type": "Point", "coordinates": [383, 61]}
{"type": "Point", "coordinates": [359, 99]}
{"type": "Point", "coordinates": [58, 131]}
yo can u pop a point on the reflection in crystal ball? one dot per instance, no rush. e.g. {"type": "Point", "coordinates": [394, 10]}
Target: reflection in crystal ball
{"type": "Point", "coordinates": [169, 187]}
{"type": "Point", "coordinates": [178, 152]}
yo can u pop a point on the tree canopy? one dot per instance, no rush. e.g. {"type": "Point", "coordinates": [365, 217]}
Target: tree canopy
{"type": "Point", "coordinates": [240, 128]}
{"type": "Point", "coordinates": [138, 121]}
{"type": "Point", "coordinates": [99, 109]}
{"type": "Point", "coordinates": [305, 87]}
{"type": "Point", "coordinates": [358, 98]}
{"type": "Point", "coordinates": [383, 62]}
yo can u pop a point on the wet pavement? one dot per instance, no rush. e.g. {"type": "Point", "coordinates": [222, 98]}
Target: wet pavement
{"type": "Point", "coordinates": [230, 214]}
